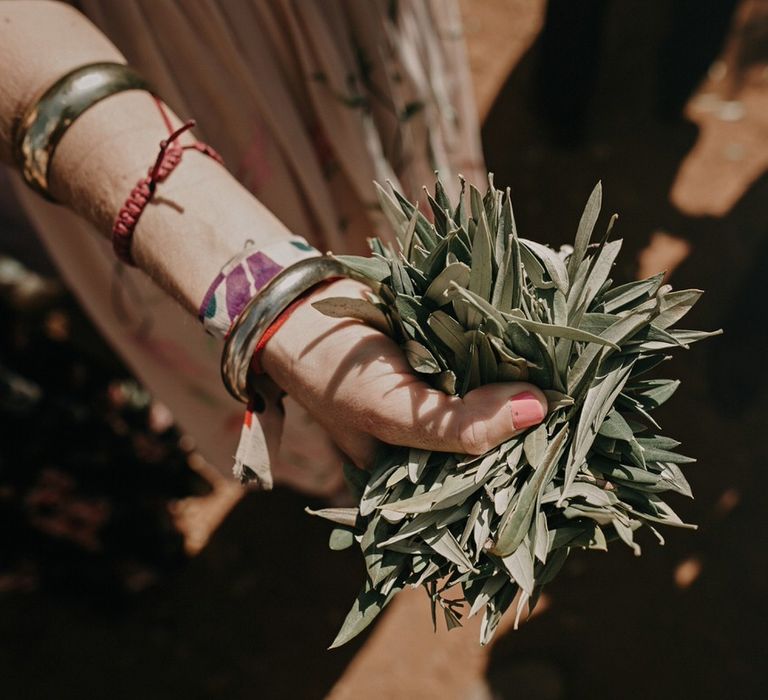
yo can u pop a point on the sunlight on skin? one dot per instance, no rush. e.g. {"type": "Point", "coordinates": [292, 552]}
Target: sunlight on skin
{"type": "Point", "coordinates": [731, 151]}
{"type": "Point", "coordinates": [664, 253]}
{"type": "Point", "coordinates": [425, 663]}
{"type": "Point", "coordinates": [498, 34]}
{"type": "Point", "coordinates": [687, 571]}
{"type": "Point", "coordinates": [728, 500]}
{"type": "Point", "coordinates": [198, 517]}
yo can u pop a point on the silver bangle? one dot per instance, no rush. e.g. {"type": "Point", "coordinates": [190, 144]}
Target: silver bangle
{"type": "Point", "coordinates": [38, 132]}
{"type": "Point", "coordinates": [262, 311]}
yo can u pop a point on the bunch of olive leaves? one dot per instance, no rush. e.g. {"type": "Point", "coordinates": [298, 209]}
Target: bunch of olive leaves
{"type": "Point", "coordinates": [470, 303]}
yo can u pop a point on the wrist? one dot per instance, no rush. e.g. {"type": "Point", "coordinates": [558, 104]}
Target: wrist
{"type": "Point", "coordinates": [304, 325]}
{"type": "Point", "coordinates": [200, 217]}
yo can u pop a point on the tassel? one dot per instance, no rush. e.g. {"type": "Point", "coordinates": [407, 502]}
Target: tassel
{"type": "Point", "coordinates": [250, 466]}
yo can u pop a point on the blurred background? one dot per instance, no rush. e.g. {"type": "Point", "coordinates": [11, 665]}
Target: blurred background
{"type": "Point", "coordinates": [129, 569]}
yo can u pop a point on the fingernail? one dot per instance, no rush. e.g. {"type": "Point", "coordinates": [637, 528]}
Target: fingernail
{"type": "Point", "coordinates": [526, 410]}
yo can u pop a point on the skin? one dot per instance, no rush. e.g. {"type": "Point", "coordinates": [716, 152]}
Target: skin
{"type": "Point", "coordinates": [352, 378]}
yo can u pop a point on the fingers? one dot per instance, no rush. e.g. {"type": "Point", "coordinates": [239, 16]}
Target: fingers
{"type": "Point", "coordinates": [373, 391]}
{"type": "Point", "coordinates": [416, 415]}
{"type": "Point", "coordinates": [513, 408]}
{"type": "Point", "coordinates": [356, 382]}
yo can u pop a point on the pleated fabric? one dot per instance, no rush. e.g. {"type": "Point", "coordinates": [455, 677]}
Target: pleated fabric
{"type": "Point", "coordinates": [309, 102]}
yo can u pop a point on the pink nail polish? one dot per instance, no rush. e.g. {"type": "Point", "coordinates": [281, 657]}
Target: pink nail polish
{"type": "Point", "coordinates": [526, 410]}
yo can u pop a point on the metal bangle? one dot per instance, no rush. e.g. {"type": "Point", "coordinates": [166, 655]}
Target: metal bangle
{"type": "Point", "coordinates": [262, 311]}
{"type": "Point", "coordinates": [39, 131]}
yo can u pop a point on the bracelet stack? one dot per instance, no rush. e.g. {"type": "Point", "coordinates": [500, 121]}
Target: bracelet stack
{"type": "Point", "coordinates": [244, 276]}
{"type": "Point", "coordinates": [251, 327]}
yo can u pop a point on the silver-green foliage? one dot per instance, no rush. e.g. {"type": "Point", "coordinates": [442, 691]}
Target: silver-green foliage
{"type": "Point", "coordinates": [471, 303]}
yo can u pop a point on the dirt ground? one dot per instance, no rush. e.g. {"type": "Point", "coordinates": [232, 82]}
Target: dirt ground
{"type": "Point", "coordinates": [596, 97]}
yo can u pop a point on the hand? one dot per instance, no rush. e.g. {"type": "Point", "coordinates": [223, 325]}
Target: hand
{"type": "Point", "coordinates": [356, 382]}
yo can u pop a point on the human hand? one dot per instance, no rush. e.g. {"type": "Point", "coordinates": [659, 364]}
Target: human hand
{"type": "Point", "coordinates": [356, 382]}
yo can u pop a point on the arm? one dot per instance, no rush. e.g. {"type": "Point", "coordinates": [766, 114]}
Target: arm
{"type": "Point", "coordinates": [352, 378]}
{"type": "Point", "coordinates": [110, 147]}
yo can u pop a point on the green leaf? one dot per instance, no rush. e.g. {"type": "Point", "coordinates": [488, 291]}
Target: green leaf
{"type": "Point", "coordinates": [534, 268]}
{"type": "Point", "coordinates": [420, 358]}
{"type": "Point", "coordinates": [535, 445]}
{"type": "Point", "coordinates": [342, 516]}
{"type": "Point", "coordinates": [557, 400]}
{"type": "Point", "coordinates": [364, 611]}
{"type": "Point", "coordinates": [597, 402]}
{"type": "Point", "coordinates": [674, 477]}
{"type": "Point", "coordinates": [423, 228]}
{"type": "Point", "coordinates": [520, 566]}
{"type": "Point", "coordinates": [659, 442]}
{"type": "Point", "coordinates": [445, 544]}
{"type": "Point", "coordinates": [491, 586]}
{"type": "Point", "coordinates": [460, 213]}
{"type": "Point", "coordinates": [614, 426]}
{"type": "Point", "coordinates": [446, 382]}
{"type": "Point", "coordinates": [441, 197]}
{"type": "Point", "coordinates": [516, 521]}
{"type": "Point", "coordinates": [392, 211]}
{"type": "Point", "coordinates": [441, 216]}
{"type": "Point", "coordinates": [656, 455]}
{"type": "Point", "coordinates": [621, 472]}
{"type": "Point", "coordinates": [550, 330]}
{"type": "Point", "coordinates": [511, 290]}
{"type": "Point", "coordinates": [365, 311]}
{"type": "Point", "coordinates": [690, 337]}
{"type": "Point", "coordinates": [675, 305]}
{"type": "Point", "coordinates": [486, 358]}
{"type": "Point", "coordinates": [652, 393]}
{"type": "Point", "coordinates": [496, 607]}
{"type": "Point", "coordinates": [401, 281]}
{"type": "Point", "coordinates": [583, 295]}
{"type": "Point", "coordinates": [480, 277]}
{"type": "Point", "coordinates": [622, 296]}
{"type": "Point", "coordinates": [341, 538]}
{"type": "Point", "coordinates": [486, 312]}
{"type": "Point", "coordinates": [412, 527]}
{"type": "Point", "coordinates": [584, 232]}
{"type": "Point", "coordinates": [451, 334]}
{"type": "Point", "coordinates": [417, 463]}
{"type": "Point", "coordinates": [437, 291]}
{"type": "Point", "coordinates": [540, 528]}
{"type": "Point", "coordinates": [371, 268]}
{"type": "Point", "coordinates": [617, 333]}
{"type": "Point", "coordinates": [452, 620]}
{"type": "Point", "coordinates": [551, 261]}
{"type": "Point", "coordinates": [476, 203]}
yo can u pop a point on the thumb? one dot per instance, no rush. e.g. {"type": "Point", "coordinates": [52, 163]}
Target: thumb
{"type": "Point", "coordinates": [494, 413]}
{"type": "Point", "coordinates": [474, 424]}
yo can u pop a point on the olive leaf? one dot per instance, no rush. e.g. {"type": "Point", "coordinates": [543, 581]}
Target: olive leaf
{"type": "Point", "coordinates": [365, 311]}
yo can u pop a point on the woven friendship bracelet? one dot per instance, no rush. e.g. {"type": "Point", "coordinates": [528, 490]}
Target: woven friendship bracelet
{"type": "Point", "coordinates": [168, 158]}
{"type": "Point", "coordinates": [244, 276]}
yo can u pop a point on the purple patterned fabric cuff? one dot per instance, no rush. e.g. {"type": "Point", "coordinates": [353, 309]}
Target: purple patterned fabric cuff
{"type": "Point", "coordinates": [242, 278]}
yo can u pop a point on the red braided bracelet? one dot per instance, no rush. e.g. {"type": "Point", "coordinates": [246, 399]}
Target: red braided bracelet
{"type": "Point", "coordinates": [168, 158]}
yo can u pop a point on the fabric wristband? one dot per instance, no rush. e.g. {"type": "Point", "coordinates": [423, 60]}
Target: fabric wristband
{"type": "Point", "coordinates": [241, 279]}
{"type": "Point", "coordinates": [244, 276]}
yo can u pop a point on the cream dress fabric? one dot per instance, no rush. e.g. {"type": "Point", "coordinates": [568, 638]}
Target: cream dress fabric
{"type": "Point", "coordinates": [309, 102]}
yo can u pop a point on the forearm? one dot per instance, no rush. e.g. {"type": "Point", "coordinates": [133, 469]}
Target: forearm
{"type": "Point", "coordinates": [200, 215]}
